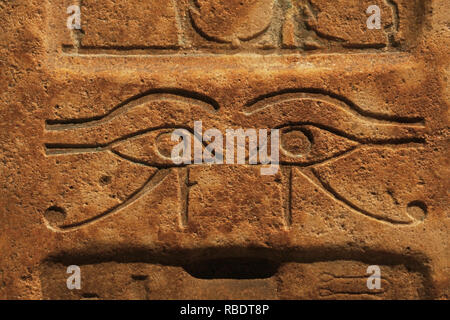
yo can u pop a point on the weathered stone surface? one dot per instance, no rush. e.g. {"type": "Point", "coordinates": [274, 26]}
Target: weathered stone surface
{"type": "Point", "coordinates": [293, 280]}
{"type": "Point", "coordinates": [129, 23]}
{"type": "Point", "coordinates": [343, 21]}
{"type": "Point", "coordinates": [229, 21]}
{"type": "Point", "coordinates": [87, 177]}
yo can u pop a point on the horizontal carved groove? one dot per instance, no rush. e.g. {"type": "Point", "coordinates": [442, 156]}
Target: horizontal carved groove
{"type": "Point", "coordinates": [180, 257]}
{"type": "Point", "coordinates": [385, 141]}
{"type": "Point", "coordinates": [364, 46]}
{"type": "Point", "coordinates": [68, 48]}
{"type": "Point", "coordinates": [118, 140]}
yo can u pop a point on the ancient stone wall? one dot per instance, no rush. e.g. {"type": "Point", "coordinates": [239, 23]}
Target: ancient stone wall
{"type": "Point", "coordinates": [87, 176]}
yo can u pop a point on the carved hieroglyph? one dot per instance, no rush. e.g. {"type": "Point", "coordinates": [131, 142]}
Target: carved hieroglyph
{"type": "Point", "coordinates": [331, 129]}
{"type": "Point", "coordinates": [87, 177]}
{"type": "Point", "coordinates": [116, 27]}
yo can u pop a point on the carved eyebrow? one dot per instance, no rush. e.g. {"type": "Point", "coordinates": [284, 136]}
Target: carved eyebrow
{"type": "Point", "coordinates": [267, 100]}
{"type": "Point", "coordinates": [191, 97]}
{"type": "Point", "coordinates": [333, 113]}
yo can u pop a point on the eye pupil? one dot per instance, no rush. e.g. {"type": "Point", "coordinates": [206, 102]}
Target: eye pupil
{"type": "Point", "coordinates": [296, 142]}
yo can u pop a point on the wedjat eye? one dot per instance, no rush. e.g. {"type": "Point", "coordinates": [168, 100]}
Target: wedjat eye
{"type": "Point", "coordinates": [306, 145]}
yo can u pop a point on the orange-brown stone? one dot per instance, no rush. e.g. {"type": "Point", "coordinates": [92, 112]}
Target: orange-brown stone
{"type": "Point", "coordinates": [87, 177]}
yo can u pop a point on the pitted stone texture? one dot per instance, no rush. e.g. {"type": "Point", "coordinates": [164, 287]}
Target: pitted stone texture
{"type": "Point", "coordinates": [234, 20]}
{"type": "Point", "coordinates": [342, 21]}
{"type": "Point", "coordinates": [87, 177]}
{"type": "Point", "coordinates": [343, 279]}
{"type": "Point", "coordinates": [151, 23]}
{"type": "Point", "coordinates": [214, 26]}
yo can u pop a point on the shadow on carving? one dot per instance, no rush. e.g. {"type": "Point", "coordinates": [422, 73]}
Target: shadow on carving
{"type": "Point", "coordinates": [237, 263]}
